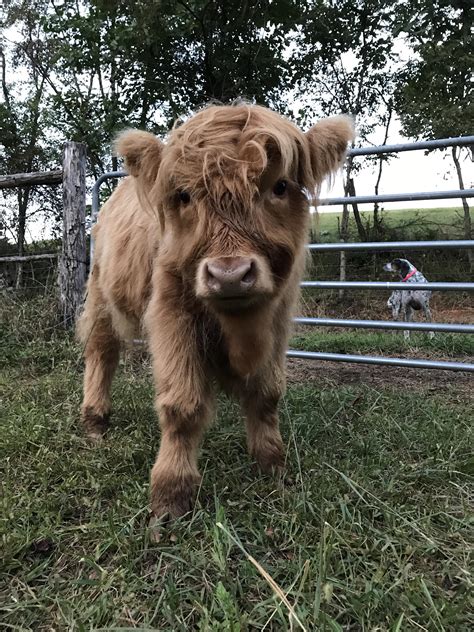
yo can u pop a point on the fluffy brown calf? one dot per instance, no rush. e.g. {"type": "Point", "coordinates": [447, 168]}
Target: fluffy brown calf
{"type": "Point", "coordinates": [202, 249]}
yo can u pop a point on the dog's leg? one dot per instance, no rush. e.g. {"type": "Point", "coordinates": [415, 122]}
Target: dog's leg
{"type": "Point", "coordinates": [428, 317]}
{"type": "Point", "coordinates": [408, 318]}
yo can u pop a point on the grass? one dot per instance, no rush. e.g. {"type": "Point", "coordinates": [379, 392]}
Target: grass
{"type": "Point", "coordinates": [370, 530]}
{"type": "Point", "coordinates": [344, 341]}
{"type": "Point", "coordinates": [445, 221]}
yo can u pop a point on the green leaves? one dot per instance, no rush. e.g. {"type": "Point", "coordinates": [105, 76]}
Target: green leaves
{"type": "Point", "coordinates": [435, 98]}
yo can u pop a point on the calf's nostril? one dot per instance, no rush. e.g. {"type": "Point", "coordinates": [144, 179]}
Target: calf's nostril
{"type": "Point", "coordinates": [250, 275]}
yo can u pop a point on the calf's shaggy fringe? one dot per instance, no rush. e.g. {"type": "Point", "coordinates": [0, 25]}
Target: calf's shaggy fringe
{"type": "Point", "coordinates": [201, 249]}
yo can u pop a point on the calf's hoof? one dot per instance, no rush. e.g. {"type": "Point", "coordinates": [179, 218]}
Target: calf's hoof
{"type": "Point", "coordinates": [270, 455]}
{"type": "Point", "coordinates": [95, 425]}
{"type": "Point", "coordinates": [172, 498]}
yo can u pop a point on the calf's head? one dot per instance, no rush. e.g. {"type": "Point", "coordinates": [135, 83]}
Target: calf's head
{"type": "Point", "coordinates": [231, 187]}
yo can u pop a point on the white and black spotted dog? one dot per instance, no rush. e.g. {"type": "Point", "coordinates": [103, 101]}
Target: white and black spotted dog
{"type": "Point", "coordinates": [404, 303]}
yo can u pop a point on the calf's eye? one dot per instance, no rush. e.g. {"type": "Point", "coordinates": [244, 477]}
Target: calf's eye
{"type": "Point", "coordinates": [184, 197]}
{"type": "Point", "coordinates": [280, 188]}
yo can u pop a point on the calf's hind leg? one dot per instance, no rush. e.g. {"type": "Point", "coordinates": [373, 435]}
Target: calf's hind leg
{"type": "Point", "coordinates": [101, 356]}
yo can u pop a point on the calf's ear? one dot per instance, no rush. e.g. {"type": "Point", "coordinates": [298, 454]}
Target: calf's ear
{"type": "Point", "coordinates": [142, 153]}
{"type": "Point", "coordinates": [328, 141]}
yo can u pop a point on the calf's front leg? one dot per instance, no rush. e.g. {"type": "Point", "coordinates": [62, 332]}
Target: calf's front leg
{"type": "Point", "coordinates": [175, 475]}
{"type": "Point", "coordinates": [260, 398]}
{"type": "Point", "coordinates": [184, 403]}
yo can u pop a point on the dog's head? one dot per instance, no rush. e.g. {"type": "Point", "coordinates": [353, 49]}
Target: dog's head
{"type": "Point", "coordinates": [402, 267]}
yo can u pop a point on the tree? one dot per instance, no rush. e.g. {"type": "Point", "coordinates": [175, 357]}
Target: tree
{"type": "Point", "coordinates": [347, 52]}
{"type": "Point", "coordinates": [23, 141]}
{"type": "Point", "coordinates": [95, 67]}
{"type": "Point", "coordinates": [144, 63]}
{"type": "Point", "coordinates": [435, 95]}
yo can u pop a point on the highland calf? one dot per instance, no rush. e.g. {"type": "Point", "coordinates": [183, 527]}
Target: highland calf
{"type": "Point", "coordinates": [201, 250]}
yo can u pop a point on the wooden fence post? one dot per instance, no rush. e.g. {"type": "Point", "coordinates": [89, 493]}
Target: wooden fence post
{"type": "Point", "coordinates": [72, 263]}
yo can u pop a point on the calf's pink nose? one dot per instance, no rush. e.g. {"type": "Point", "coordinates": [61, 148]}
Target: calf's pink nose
{"type": "Point", "coordinates": [230, 276]}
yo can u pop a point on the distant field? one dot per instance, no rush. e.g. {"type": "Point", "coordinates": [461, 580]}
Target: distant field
{"type": "Point", "coordinates": [446, 221]}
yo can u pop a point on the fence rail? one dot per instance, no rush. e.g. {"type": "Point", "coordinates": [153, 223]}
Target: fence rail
{"type": "Point", "coordinates": [391, 245]}
{"type": "Point", "coordinates": [18, 258]}
{"type": "Point", "coordinates": [398, 197]}
{"type": "Point", "coordinates": [31, 179]}
{"type": "Point", "coordinates": [385, 324]}
{"type": "Point", "coordinates": [439, 143]}
{"type": "Point", "coordinates": [388, 285]}
{"type": "Point", "coordinates": [381, 360]}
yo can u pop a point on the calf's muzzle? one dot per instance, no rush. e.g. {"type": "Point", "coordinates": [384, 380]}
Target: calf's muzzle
{"type": "Point", "coordinates": [230, 277]}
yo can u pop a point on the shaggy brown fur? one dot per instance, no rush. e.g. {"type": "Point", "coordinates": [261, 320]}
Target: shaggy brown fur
{"type": "Point", "coordinates": [228, 189]}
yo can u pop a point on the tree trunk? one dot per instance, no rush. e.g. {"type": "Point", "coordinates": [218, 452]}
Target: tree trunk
{"type": "Point", "coordinates": [344, 229]}
{"type": "Point", "coordinates": [355, 209]}
{"type": "Point", "coordinates": [381, 161]}
{"type": "Point", "coordinates": [23, 196]}
{"type": "Point", "coordinates": [72, 264]}
{"type": "Point", "coordinates": [467, 212]}
{"type": "Point", "coordinates": [344, 236]}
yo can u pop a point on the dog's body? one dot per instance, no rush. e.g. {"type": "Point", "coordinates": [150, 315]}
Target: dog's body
{"type": "Point", "coordinates": [403, 303]}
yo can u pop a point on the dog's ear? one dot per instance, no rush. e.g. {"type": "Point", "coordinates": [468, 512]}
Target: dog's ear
{"type": "Point", "coordinates": [328, 141]}
{"type": "Point", "coordinates": [402, 266]}
{"type": "Point", "coordinates": [142, 153]}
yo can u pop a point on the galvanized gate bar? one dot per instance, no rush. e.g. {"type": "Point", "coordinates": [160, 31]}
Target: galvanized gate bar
{"type": "Point", "coordinates": [385, 324]}
{"type": "Point", "coordinates": [381, 360]}
{"type": "Point", "coordinates": [391, 245]}
{"type": "Point", "coordinates": [398, 197]}
{"type": "Point", "coordinates": [95, 201]}
{"type": "Point", "coordinates": [440, 143]}
{"type": "Point", "coordinates": [96, 188]}
{"type": "Point", "coordinates": [382, 285]}
{"type": "Point", "coordinates": [381, 247]}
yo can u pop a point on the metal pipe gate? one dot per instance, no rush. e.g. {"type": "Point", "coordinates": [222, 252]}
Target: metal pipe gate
{"type": "Point", "coordinates": [375, 246]}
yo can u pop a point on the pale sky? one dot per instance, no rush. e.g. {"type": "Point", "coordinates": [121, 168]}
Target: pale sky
{"type": "Point", "coordinates": [409, 172]}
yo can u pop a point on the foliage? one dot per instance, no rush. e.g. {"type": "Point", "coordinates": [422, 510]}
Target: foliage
{"type": "Point", "coordinates": [435, 95]}
{"type": "Point", "coordinates": [347, 55]}
{"type": "Point", "coordinates": [25, 144]}
{"type": "Point", "coordinates": [109, 65]}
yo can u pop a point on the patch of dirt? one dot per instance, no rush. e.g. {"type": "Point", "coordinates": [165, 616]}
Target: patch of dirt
{"type": "Point", "coordinates": [323, 374]}
{"type": "Point", "coordinates": [456, 315]}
